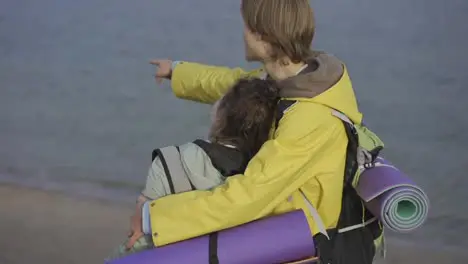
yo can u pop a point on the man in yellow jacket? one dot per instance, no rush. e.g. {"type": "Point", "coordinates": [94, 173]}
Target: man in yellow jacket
{"type": "Point", "coordinates": [306, 154]}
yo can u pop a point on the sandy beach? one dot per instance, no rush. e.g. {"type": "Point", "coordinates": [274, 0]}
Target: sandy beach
{"type": "Point", "coordinates": [47, 227]}
{"type": "Point", "coordinates": [51, 228]}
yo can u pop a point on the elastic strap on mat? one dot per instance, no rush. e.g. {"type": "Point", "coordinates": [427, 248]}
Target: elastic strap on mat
{"type": "Point", "coordinates": [213, 248]}
{"type": "Point", "coordinates": [353, 227]}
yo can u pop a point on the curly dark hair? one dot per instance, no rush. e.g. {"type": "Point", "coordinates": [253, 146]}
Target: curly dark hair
{"type": "Point", "coordinates": [246, 114]}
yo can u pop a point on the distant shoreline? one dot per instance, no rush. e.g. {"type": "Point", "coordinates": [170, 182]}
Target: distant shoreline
{"type": "Point", "coordinates": [116, 192]}
{"type": "Point", "coordinates": [36, 226]}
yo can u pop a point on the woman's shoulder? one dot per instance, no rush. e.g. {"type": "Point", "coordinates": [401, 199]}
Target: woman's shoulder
{"type": "Point", "coordinates": [226, 159]}
{"type": "Point", "coordinates": [193, 150]}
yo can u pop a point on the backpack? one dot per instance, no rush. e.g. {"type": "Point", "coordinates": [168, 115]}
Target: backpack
{"type": "Point", "coordinates": [358, 234]}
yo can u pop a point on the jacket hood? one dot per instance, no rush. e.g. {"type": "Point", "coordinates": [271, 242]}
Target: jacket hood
{"type": "Point", "coordinates": [325, 81]}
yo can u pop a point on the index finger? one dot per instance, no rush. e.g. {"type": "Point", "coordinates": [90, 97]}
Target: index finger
{"type": "Point", "coordinates": [155, 62]}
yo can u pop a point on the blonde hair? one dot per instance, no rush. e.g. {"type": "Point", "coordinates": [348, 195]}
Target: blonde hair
{"type": "Point", "coordinates": [287, 25]}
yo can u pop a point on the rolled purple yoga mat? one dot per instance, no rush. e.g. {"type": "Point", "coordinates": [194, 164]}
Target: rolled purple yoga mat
{"type": "Point", "coordinates": [277, 239]}
{"type": "Point", "coordinates": [393, 197]}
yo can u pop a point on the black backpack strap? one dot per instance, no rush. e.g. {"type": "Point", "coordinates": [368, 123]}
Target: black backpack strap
{"type": "Point", "coordinates": [323, 242]}
{"type": "Point", "coordinates": [190, 182]}
{"type": "Point", "coordinates": [324, 248]}
{"type": "Point", "coordinates": [351, 164]}
{"type": "Point", "coordinates": [213, 248]}
{"type": "Point", "coordinates": [283, 105]}
{"type": "Point", "coordinates": [227, 160]}
{"type": "Point", "coordinates": [357, 246]}
{"type": "Point", "coordinates": [157, 153]}
{"type": "Point", "coordinates": [177, 177]}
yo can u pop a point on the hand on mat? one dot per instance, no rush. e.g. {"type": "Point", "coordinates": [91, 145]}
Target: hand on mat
{"type": "Point", "coordinates": [136, 229]}
{"type": "Point", "coordinates": [164, 69]}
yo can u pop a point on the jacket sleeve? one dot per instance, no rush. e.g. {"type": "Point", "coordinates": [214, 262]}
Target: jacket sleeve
{"type": "Point", "coordinates": [204, 83]}
{"type": "Point", "coordinates": [281, 167]}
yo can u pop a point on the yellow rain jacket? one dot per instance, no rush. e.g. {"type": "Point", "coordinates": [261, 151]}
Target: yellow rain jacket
{"type": "Point", "coordinates": [306, 152]}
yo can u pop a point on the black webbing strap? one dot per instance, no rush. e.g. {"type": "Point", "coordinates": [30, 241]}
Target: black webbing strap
{"type": "Point", "coordinates": [282, 106]}
{"type": "Point", "coordinates": [191, 184]}
{"type": "Point", "coordinates": [213, 248]}
{"type": "Point", "coordinates": [324, 248]}
{"type": "Point", "coordinates": [158, 153]}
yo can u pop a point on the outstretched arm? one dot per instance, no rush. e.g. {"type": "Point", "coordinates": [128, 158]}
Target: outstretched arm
{"type": "Point", "coordinates": [205, 83]}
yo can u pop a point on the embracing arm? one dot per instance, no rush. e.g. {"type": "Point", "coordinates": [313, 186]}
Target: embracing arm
{"type": "Point", "coordinates": [280, 168]}
{"type": "Point", "coordinates": [205, 83]}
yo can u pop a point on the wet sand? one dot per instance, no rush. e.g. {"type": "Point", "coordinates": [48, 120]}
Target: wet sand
{"type": "Point", "coordinates": [48, 227]}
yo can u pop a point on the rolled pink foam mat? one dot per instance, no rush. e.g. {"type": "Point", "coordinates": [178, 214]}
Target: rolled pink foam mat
{"type": "Point", "coordinates": [277, 239]}
{"type": "Point", "coordinates": [399, 203]}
